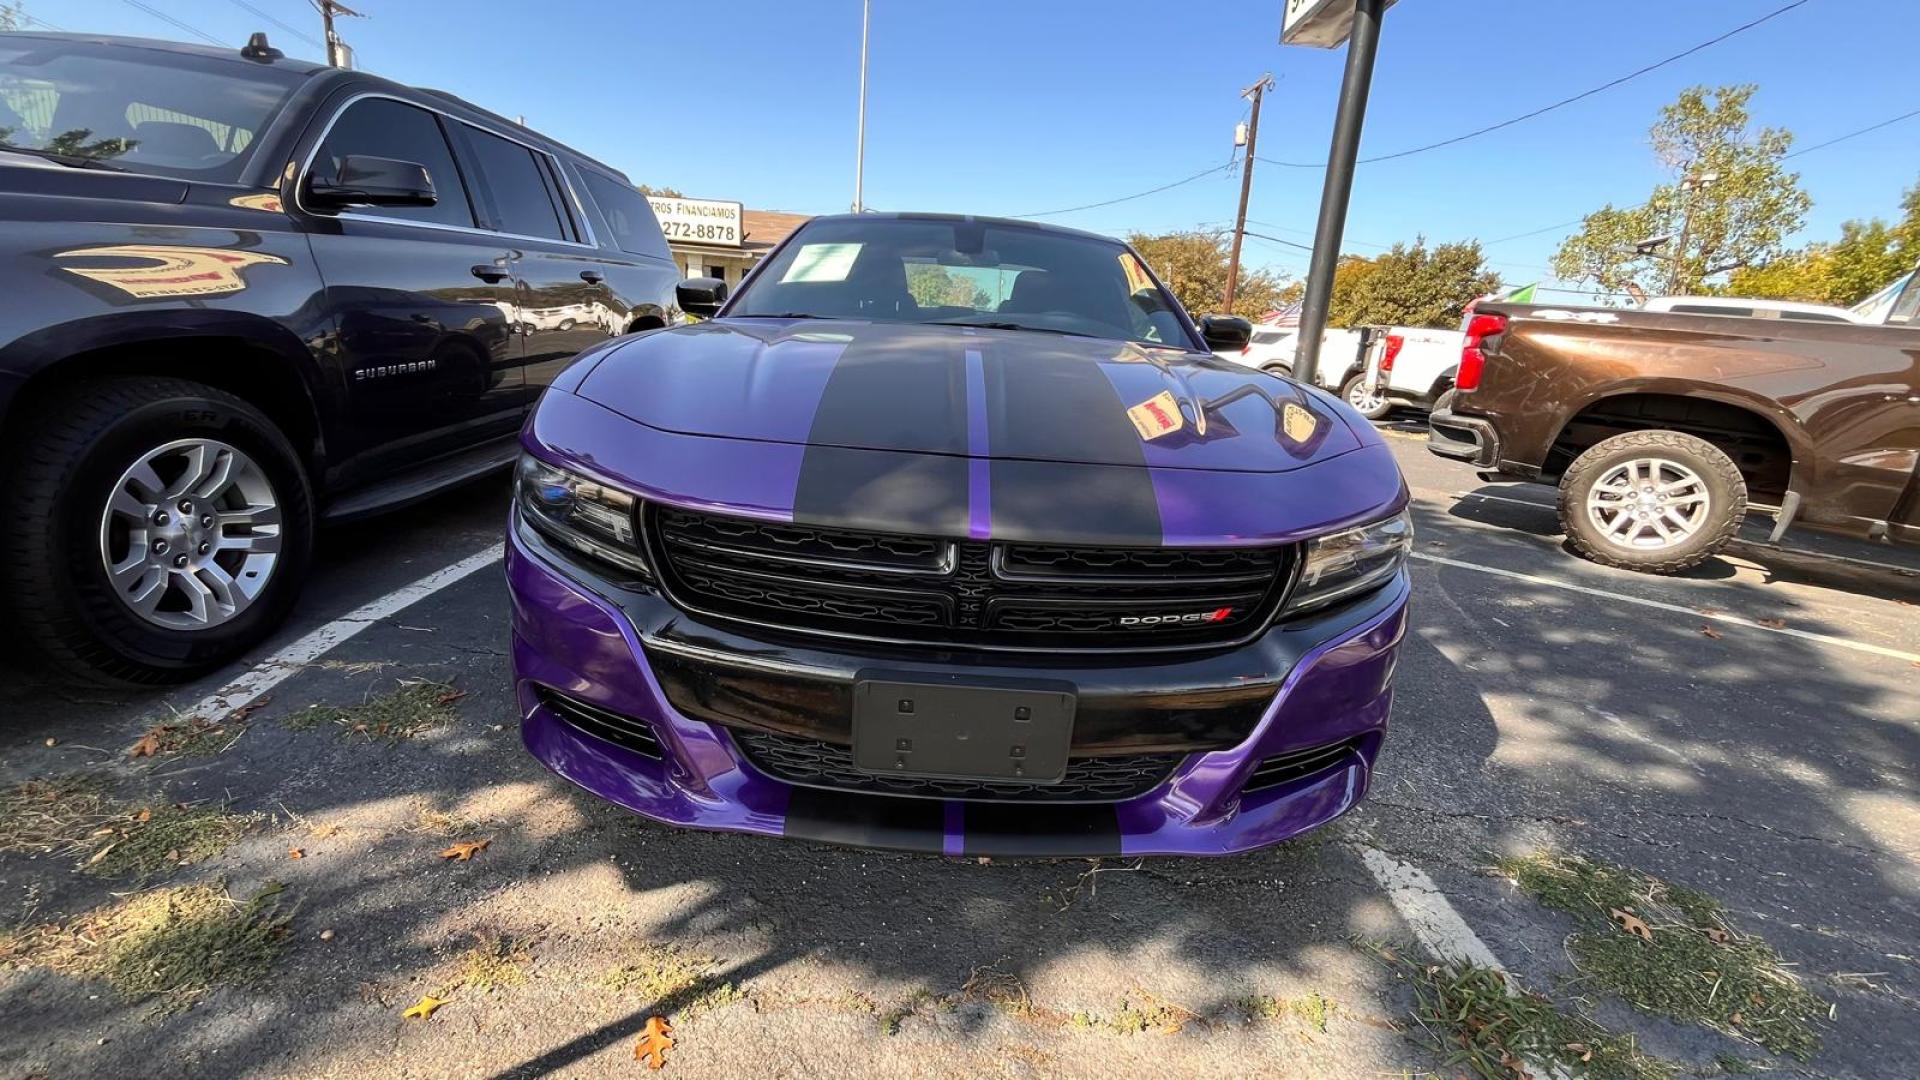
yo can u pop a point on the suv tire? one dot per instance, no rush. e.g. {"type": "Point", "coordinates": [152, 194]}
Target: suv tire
{"type": "Point", "coordinates": [1654, 501]}
{"type": "Point", "coordinates": [54, 561]}
{"type": "Point", "coordinates": [1354, 393]}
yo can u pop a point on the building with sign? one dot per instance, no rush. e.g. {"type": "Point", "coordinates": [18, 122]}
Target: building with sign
{"type": "Point", "coordinates": [719, 239]}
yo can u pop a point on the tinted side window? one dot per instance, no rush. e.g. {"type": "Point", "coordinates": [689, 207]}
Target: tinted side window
{"type": "Point", "coordinates": [523, 196]}
{"type": "Point", "coordinates": [381, 127]}
{"type": "Point", "coordinates": [634, 227]}
{"type": "Point", "coordinates": [1811, 316]}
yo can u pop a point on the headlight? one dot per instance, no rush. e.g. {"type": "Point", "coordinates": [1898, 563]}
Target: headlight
{"type": "Point", "coordinates": [1347, 563]}
{"type": "Point", "coordinates": [585, 515]}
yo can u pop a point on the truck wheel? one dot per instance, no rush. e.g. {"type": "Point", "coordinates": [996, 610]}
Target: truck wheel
{"type": "Point", "coordinates": [1443, 403]}
{"type": "Point", "coordinates": [163, 528]}
{"type": "Point", "coordinates": [1653, 501]}
{"type": "Point", "coordinates": [1367, 402]}
{"type": "Point", "coordinates": [1284, 371]}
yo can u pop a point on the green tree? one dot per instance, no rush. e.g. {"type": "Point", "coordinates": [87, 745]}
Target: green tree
{"type": "Point", "coordinates": [933, 286]}
{"type": "Point", "coordinates": [661, 192]}
{"type": "Point", "coordinates": [1193, 266]}
{"type": "Point", "coordinates": [1731, 201]}
{"type": "Point", "coordinates": [1409, 285]}
{"type": "Point", "coordinates": [1846, 271]}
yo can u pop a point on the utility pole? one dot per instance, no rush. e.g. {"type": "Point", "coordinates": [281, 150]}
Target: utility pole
{"type": "Point", "coordinates": [1256, 91]}
{"type": "Point", "coordinates": [1677, 268]}
{"type": "Point", "coordinates": [1362, 46]}
{"type": "Point", "coordinates": [339, 54]}
{"type": "Point", "coordinates": [860, 140]}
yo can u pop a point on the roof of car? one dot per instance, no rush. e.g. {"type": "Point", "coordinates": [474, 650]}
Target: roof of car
{"type": "Point", "coordinates": [309, 68]}
{"type": "Point", "coordinates": [921, 216]}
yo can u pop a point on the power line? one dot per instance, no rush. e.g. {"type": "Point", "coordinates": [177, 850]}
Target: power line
{"type": "Point", "coordinates": [1563, 102]}
{"type": "Point", "coordinates": [288, 27]}
{"type": "Point", "coordinates": [1204, 173]}
{"type": "Point", "coordinates": [1851, 134]}
{"type": "Point", "coordinates": [31, 20]}
{"type": "Point", "coordinates": [166, 18]}
{"type": "Point", "coordinates": [1277, 240]}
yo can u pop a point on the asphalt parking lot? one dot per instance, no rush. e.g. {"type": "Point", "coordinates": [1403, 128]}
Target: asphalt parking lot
{"type": "Point", "coordinates": [1749, 731]}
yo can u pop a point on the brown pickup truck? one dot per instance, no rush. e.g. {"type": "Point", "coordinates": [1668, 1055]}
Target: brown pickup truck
{"type": "Point", "coordinates": [1659, 427]}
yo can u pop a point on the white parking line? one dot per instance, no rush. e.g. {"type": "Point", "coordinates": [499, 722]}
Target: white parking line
{"type": "Point", "coordinates": [1659, 605]}
{"type": "Point", "coordinates": [1802, 553]}
{"type": "Point", "coordinates": [316, 643]}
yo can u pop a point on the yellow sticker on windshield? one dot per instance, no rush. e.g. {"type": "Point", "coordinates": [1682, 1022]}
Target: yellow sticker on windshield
{"type": "Point", "coordinates": [1158, 415]}
{"type": "Point", "coordinates": [1298, 423]}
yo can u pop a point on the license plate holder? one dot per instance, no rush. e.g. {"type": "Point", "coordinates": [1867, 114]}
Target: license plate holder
{"type": "Point", "coordinates": [960, 728]}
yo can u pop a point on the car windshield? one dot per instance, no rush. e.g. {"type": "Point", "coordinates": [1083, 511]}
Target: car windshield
{"type": "Point", "coordinates": [963, 273]}
{"type": "Point", "coordinates": [143, 110]}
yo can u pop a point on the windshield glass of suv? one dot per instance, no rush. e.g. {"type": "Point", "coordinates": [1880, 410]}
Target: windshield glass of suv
{"type": "Point", "coordinates": [144, 110]}
{"type": "Point", "coordinates": [963, 273]}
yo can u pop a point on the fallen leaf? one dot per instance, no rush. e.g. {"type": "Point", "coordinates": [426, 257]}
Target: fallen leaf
{"type": "Point", "coordinates": [449, 697]}
{"type": "Point", "coordinates": [296, 853]}
{"type": "Point", "coordinates": [1582, 1049]}
{"type": "Point", "coordinates": [655, 1040]}
{"type": "Point", "coordinates": [148, 745]}
{"type": "Point", "coordinates": [143, 816]}
{"type": "Point", "coordinates": [465, 850]}
{"type": "Point", "coordinates": [326, 935]}
{"type": "Point", "coordinates": [1737, 1019]}
{"type": "Point", "coordinates": [248, 709]}
{"type": "Point", "coordinates": [102, 853]}
{"type": "Point", "coordinates": [424, 1008]}
{"type": "Point", "coordinates": [1772, 624]}
{"type": "Point", "coordinates": [322, 832]}
{"type": "Point", "coordinates": [1709, 631]}
{"type": "Point", "coordinates": [1632, 924]}
{"type": "Point", "coordinates": [1717, 935]}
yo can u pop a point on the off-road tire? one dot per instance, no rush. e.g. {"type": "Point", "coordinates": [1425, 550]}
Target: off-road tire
{"type": "Point", "coordinates": [1378, 412]}
{"type": "Point", "coordinates": [1726, 503]}
{"type": "Point", "coordinates": [57, 473]}
{"type": "Point", "coordinates": [1444, 403]}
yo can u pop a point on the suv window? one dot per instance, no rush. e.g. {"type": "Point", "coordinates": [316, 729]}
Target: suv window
{"type": "Point", "coordinates": [522, 189]}
{"type": "Point", "coordinates": [634, 227]}
{"type": "Point", "coordinates": [382, 127]}
{"type": "Point", "coordinates": [1812, 316]}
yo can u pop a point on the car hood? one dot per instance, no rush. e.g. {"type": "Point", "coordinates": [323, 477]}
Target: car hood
{"type": "Point", "coordinates": [968, 392]}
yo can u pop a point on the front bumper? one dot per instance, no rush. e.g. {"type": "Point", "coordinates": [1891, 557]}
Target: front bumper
{"type": "Point", "coordinates": [601, 643]}
{"type": "Point", "coordinates": [1469, 438]}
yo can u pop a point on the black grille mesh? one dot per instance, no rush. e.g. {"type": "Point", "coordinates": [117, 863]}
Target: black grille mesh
{"type": "Point", "coordinates": [993, 594]}
{"type": "Point", "coordinates": [814, 763]}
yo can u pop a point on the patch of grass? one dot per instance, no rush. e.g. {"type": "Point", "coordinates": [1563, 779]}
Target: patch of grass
{"type": "Point", "coordinates": [1693, 966]}
{"type": "Point", "coordinates": [75, 816]}
{"type": "Point", "coordinates": [1132, 1017]}
{"type": "Point", "coordinates": [1001, 989]}
{"type": "Point", "coordinates": [194, 737]}
{"type": "Point", "coordinates": [153, 842]}
{"type": "Point", "coordinates": [445, 822]}
{"type": "Point", "coordinates": [1476, 1021]}
{"type": "Point", "coordinates": [919, 999]}
{"type": "Point", "coordinates": [669, 973]}
{"type": "Point", "coordinates": [495, 962]}
{"type": "Point", "coordinates": [45, 816]}
{"type": "Point", "coordinates": [177, 942]}
{"type": "Point", "coordinates": [418, 706]}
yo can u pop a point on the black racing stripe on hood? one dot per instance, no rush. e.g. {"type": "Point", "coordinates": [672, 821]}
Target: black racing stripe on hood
{"type": "Point", "coordinates": [890, 389]}
{"type": "Point", "coordinates": [1051, 405]}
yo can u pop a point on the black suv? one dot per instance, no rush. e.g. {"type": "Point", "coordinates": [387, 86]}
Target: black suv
{"type": "Point", "coordinates": [245, 294]}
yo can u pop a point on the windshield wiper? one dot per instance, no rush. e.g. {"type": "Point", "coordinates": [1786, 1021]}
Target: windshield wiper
{"type": "Point", "coordinates": [997, 325]}
{"type": "Point", "coordinates": [74, 161]}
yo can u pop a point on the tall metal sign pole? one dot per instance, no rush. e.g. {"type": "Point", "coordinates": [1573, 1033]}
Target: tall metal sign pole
{"type": "Point", "coordinates": [1326, 23]}
{"type": "Point", "coordinates": [860, 140]}
{"type": "Point", "coordinates": [338, 53]}
{"type": "Point", "coordinates": [1256, 91]}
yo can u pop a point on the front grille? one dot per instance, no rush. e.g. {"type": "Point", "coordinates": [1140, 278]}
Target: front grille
{"type": "Point", "coordinates": [814, 763]}
{"type": "Point", "coordinates": [989, 594]}
{"type": "Point", "coordinates": [1287, 768]}
{"type": "Point", "coordinates": [620, 730]}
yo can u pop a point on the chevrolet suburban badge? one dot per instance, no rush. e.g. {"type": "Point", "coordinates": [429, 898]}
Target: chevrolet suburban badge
{"type": "Point", "coordinates": [1158, 415]}
{"type": "Point", "coordinates": [1298, 423]}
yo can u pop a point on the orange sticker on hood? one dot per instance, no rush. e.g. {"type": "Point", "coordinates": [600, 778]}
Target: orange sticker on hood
{"type": "Point", "coordinates": [1158, 415]}
{"type": "Point", "coordinates": [1298, 423]}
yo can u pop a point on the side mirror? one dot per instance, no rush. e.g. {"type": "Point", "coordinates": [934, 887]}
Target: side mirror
{"type": "Point", "coordinates": [1226, 333]}
{"type": "Point", "coordinates": [701, 296]}
{"type": "Point", "coordinates": [371, 181]}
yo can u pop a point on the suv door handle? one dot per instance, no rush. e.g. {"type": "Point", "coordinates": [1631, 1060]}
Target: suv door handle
{"type": "Point", "coordinates": [592, 277]}
{"type": "Point", "coordinates": [490, 272]}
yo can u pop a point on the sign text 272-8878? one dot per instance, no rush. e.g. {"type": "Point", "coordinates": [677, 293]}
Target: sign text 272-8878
{"type": "Point", "coordinates": [713, 232]}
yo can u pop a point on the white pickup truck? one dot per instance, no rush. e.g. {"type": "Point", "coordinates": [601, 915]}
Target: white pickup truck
{"type": "Point", "coordinates": [1407, 365]}
{"type": "Point", "coordinates": [1342, 363]}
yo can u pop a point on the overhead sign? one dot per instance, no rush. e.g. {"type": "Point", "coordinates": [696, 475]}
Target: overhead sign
{"type": "Point", "coordinates": [1322, 24]}
{"type": "Point", "coordinates": [698, 221]}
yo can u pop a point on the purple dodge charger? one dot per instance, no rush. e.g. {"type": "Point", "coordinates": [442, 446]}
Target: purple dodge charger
{"type": "Point", "coordinates": [950, 534]}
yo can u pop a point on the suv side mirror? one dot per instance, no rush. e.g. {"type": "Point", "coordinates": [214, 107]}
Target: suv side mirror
{"type": "Point", "coordinates": [371, 181]}
{"type": "Point", "coordinates": [701, 296]}
{"type": "Point", "coordinates": [1226, 333]}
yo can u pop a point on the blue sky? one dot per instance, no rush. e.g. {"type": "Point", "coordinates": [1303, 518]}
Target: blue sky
{"type": "Point", "coordinates": [1020, 106]}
